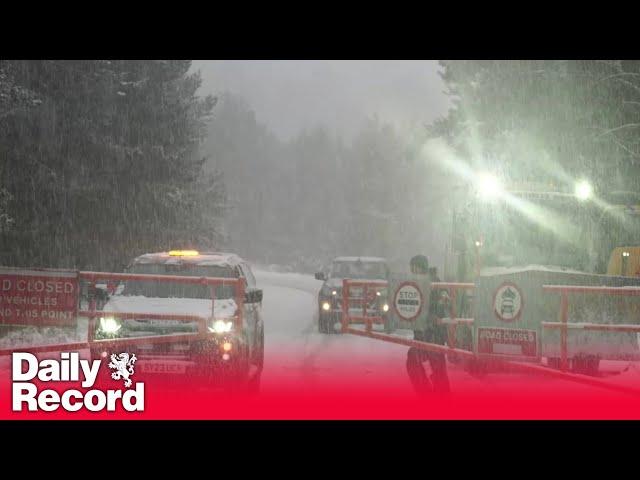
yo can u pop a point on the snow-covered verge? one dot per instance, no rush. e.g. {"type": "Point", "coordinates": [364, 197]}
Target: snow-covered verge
{"type": "Point", "coordinates": [35, 336]}
{"type": "Point", "coordinates": [629, 375]}
{"type": "Point", "coordinates": [490, 271]}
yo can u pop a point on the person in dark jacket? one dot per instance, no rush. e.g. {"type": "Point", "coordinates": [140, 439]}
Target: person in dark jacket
{"type": "Point", "coordinates": [434, 333]}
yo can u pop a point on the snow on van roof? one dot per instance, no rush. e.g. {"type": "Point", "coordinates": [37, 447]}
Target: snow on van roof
{"type": "Point", "coordinates": [490, 271]}
{"type": "Point", "coordinates": [202, 259]}
{"type": "Point", "coordinates": [362, 259]}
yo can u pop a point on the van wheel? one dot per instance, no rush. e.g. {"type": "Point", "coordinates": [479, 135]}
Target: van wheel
{"type": "Point", "coordinates": [331, 325]}
{"type": "Point", "coordinates": [323, 323]}
{"type": "Point", "coordinates": [258, 360]}
{"type": "Point", "coordinates": [236, 377]}
{"type": "Point", "coordinates": [253, 385]}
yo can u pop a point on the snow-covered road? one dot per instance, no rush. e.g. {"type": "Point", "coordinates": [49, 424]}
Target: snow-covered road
{"type": "Point", "coordinates": [298, 357]}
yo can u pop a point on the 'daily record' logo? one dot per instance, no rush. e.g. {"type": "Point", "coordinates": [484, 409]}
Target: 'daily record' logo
{"type": "Point", "coordinates": [26, 369]}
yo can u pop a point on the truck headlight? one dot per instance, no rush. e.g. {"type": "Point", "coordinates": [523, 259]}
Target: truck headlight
{"type": "Point", "coordinates": [385, 307]}
{"type": "Point", "coordinates": [221, 326]}
{"type": "Point", "coordinates": [326, 306]}
{"type": "Point", "coordinates": [109, 325]}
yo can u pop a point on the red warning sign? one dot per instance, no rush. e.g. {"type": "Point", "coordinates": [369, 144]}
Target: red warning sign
{"type": "Point", "coordinates": [408, 301]}
{"type": "Point", "coordinates": [507, 341]}
{"type": "Point", "coordinates": [41, 298]}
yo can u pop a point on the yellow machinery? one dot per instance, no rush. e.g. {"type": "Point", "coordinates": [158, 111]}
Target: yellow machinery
{"type": "Point", "coordinates": [625, 262]}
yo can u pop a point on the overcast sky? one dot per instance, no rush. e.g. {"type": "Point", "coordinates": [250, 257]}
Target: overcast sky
{"type": "Point", "coordinates": [289, 95]}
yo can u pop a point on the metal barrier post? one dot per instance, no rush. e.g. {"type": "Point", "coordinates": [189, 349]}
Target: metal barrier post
{"type": "Point", "coordinates": [240, 292]}
{"type": "Point", "coordinates": [91, 334]}
{"type": "Point", "coordinates": [365, 298]}
{"type": "Point", "coordinates": [564, 313]}
{"type": "Point", "coordinates": [213, 308]}
{"type": "Point", "coordinates": [345, 305]}
{"type": "Point", "coordinates": [452, 329]}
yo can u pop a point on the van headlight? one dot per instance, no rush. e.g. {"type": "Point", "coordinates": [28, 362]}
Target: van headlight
{"type": "Point", "coordinates": [110, 325]}
{"type": "Point", "coordinates": [221, 326]}
{"type": "Point", "coordinates": [385, 307]}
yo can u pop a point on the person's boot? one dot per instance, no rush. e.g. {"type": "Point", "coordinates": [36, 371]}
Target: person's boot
{"type": "Point", "coordinates": [441, 384]}
{"type": "Point", "coordinates": [439, 377]}
{"type": "Point", "coordinates": [417, 375]}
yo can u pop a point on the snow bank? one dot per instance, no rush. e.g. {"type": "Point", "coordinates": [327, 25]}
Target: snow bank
{"type": "Point", "coordinates": [630, 376]}
{"type": "Point", "coordinates": [490, 271]}
{"type": "Point", "coordinates": [37, 336]}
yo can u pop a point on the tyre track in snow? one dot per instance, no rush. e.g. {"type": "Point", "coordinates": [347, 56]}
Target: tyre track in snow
{"type": "Point", "coordinates": [298, 356]}
{"type": "Point", "coordinates": [292, 346]}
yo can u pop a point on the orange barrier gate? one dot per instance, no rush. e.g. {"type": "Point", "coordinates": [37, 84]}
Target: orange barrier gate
{"type": "Point", "coordinates": [452, 322]}
{"type": "Point", "coordinates": [564, 325]}
{"type": "Point", "coordinates": [513, 365]}
{"type": "Point", "coordinates": [370, 289]}
{"type": "Point", "coordinates": [92, 313]}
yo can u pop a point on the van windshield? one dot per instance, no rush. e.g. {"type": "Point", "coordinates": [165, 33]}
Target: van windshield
{"type": "Point", "coordinates": [359, 270]}
{"type": "Point", "coordinates": [164, 289]}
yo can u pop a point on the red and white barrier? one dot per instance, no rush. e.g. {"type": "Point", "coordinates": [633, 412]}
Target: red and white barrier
{"type": "Point", "coordinates": [524, 367]}
{"type": "Point", "coordinates": [92, 313]}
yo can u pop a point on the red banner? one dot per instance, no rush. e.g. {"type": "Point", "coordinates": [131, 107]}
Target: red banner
{"type": "Point", "coordinates": [38, 297]}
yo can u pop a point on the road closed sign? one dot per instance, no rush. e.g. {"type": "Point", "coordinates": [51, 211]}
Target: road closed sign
{"type": "Point", "coordinates": [408, 301]}
{"type": "Point", "coordinates": [34, 297]}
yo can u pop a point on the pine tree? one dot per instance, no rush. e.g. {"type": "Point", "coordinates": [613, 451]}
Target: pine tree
{"type": "Point", "coordinates": [106, 166]}
{"type": "Point", "coordinates": [551, 123]}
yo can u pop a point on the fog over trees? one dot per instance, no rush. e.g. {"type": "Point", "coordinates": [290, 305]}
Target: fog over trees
{"type": "Point", "coordinates": [303, 201]}
{"type": "Point", "coordinates": [100, 162]}
{"type": "Point", "coordinates": [103, 160]}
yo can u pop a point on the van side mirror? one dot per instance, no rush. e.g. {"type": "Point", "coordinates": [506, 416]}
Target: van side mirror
{"type": "Point", "coordinates": [321, 276]}
{"type": "Point", "coordinates": [253, 296]}
{"type": "Point", "coordinates": [98, 293]}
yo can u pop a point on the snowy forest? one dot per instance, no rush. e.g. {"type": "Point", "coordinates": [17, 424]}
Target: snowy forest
{"type": "Point", "coordinates": [104, 160]}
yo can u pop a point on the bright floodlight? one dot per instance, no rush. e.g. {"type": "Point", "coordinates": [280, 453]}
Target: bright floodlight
{"type": "Point", "coordinates": [583, 190]}
{"type": "Point", "coordinates": [489, 185]}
